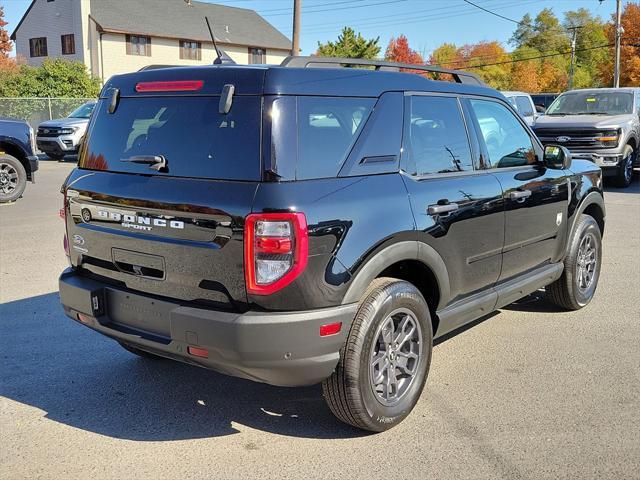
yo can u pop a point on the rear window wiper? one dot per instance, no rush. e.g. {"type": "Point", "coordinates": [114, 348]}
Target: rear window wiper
{"type": "Point", "coordinates": [156, 162]}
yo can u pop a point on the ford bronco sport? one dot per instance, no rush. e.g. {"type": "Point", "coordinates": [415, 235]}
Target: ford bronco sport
{"type": "Point", "coordinates": [296, 225]}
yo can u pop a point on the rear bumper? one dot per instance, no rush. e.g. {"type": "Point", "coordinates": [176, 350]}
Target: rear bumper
{"type": "Point", "coordinates": [283, 348]}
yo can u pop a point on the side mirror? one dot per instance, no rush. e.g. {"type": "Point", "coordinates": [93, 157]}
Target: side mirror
{"type": "Point", "coordinates": [557, 157]}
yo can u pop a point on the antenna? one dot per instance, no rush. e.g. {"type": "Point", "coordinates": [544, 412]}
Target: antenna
{"type": "Point", "coordinates": [218, 60]}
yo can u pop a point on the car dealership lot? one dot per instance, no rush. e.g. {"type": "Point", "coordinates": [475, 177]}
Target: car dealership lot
{"type": "Point", "coordinates": [527, 393]}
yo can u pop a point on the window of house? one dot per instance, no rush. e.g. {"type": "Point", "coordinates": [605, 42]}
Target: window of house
{"type": "Point", "coordinates": [68, 44]}
{"type": "Point", "coordinates": [38, 47]}
{"type": "Point", "coordinates": [257, 55]}
{"type": "Point", "coordinates": [438, 141]}
{"type": "Point", "coordinates": [139, 45]}
{"type": "Point", "coordinates": [190, 50]}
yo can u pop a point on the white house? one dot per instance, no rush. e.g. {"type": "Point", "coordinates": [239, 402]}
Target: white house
{"type": "Point", "coordinates": [118, 36]}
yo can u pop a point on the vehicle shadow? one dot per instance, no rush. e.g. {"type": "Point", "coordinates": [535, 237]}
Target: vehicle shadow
{"type": "Point", "coordinates": [82, 379]}
{"type": "Point", "coordinates": [610, 186]}
{"type": "Point", "coordinates": [535, 302]}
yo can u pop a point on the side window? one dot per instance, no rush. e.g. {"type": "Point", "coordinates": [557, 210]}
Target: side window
{"type": "Point", "coordinates": [437, 137]}
{"type": "Point", "coordinates": [327, 129]}
{"type": "Point", "coordinates": [508, 142]}
{"type": "Point", "coordinates": [524, 106]}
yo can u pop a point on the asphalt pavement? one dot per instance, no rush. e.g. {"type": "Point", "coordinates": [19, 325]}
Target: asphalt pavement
{"type": "Point", "coordinates": [529, 392]}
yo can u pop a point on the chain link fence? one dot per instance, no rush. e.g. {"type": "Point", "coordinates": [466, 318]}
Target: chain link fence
{"type": "Point", "coordinates": [37, 110]}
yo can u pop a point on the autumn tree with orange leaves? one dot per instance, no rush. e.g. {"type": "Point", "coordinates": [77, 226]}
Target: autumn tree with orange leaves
{"type": "Point", "coordinates": [630, 50]}
{"type": "Point", "coordinates": [399, 51]}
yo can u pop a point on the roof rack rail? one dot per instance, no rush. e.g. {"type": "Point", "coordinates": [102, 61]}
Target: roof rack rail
{"type": "Point", "coordinates": [459, 76]}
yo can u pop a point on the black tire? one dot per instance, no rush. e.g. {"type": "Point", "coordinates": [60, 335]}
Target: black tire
{"type": "Point", "coordinates": [349, 391]}
{"type": "Point", "coordinates": [140, 353]}
{"type": "Point", "coordinates": [568, 292]}
{"type": "Point", "coordinates": [56, 156]}
{"type": "Point", "coordinates": [625, 170]}
{"type": "Point", "coordinates": [13, 178]}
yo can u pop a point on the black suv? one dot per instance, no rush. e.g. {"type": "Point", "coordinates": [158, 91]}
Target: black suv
{"type": "Point", "coordinates": [296, 225]}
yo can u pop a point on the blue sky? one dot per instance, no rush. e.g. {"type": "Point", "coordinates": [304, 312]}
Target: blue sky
{"type": "Point", "coordinates": [426, 23]}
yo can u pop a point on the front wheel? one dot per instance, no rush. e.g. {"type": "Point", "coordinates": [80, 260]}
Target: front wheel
{"type": "Point", "coordinates": [577, 285]}
{"type": "Point", "coordinates": [625, 170]}
{"type": "Point", "coordinates": [384, 364]}
{"type": "Point", "coordinates": [13, 178]}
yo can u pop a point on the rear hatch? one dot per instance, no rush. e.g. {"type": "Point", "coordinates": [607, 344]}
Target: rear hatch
{"type": "Point", "coordinates": [165, 181]}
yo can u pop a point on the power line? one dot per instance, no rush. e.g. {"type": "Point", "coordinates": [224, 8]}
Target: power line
{"type": "Point", "coordinates": [537, 57]}
{"type": "Point", "coordinates": [412, 19]}
{"type": "Point", "coordinates": [339, 8]}
{"type": "Point", "coordinates": [409, 15]}
{"type": "Point", "coordinates": [493, 13]}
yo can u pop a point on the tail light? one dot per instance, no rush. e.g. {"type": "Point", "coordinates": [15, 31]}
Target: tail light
{"type": "Point", "coordinates": [63, 216]}
{"type": "Point", "coordinates": [63, 211]}
{"type": "Point", "coordinates": [276, 250]}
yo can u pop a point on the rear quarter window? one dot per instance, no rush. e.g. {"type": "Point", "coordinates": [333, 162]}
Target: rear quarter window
{"type": "Point", "coordinates": [195, 139]}
{"type": "Point", "coordinates": [326, 127]}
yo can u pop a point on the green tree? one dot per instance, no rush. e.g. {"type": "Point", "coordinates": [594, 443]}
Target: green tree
{"type": "Point", "coordinates": [524, 33]}
{"type": "Point", "coordinates": [549, 36]}
{"type": "Point", "coordinates": [591, 34]}
{"type": "Point", "coordinates": [350, 45]}
{"type": "Point", "coordinates": [55, 78]}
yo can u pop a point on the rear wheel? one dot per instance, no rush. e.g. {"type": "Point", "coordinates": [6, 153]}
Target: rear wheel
{"type": "Point", "coordinates": [577, 285]}
{"type": "Point", "coordinates": [625, 172]}
{"type": "Point", "coordinates": [385, 362]}
{"type": "Point", "coordinates": [13, 178]}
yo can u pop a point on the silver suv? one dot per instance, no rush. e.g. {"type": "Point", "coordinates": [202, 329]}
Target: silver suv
{"type": "Point", "coordinates": [599, 124]}
{"type": "Point", "coordinates": [62, 136]}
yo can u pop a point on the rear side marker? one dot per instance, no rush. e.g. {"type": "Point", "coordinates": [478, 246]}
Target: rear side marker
{"type": "Point", "coordinates": [330, 329]}
{"type": "Point", "coordinates": [198, 352]}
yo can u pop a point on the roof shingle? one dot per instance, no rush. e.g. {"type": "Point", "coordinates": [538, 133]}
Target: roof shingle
{"type": "Point", "coordinates": [176, 19]}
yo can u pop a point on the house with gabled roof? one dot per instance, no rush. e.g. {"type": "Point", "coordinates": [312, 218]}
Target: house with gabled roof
{"type": "Point", "coordinates": [118, 36]}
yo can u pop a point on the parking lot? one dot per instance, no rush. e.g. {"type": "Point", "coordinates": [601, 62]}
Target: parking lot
{"type": "Point", "coordinates": [529, 392]}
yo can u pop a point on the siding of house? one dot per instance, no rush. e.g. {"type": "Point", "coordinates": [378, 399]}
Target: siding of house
{"type": "Point", "coordinates": [51, 20]}
{"type": "Point", "coordinates": [165, 51]}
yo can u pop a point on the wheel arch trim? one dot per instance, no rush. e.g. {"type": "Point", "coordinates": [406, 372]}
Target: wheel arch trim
{"type": "Point", "coordinates": [592, 198]}
{"type": "Point", "coordinates": [397, 252]}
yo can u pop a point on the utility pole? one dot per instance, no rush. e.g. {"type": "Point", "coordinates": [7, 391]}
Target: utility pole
{"type": "Point", "coordinates": [574, 36]}
{"type": "Point", "coordinates": [616, 70]}
{"type": "Point", "coordinates": [297, 6]}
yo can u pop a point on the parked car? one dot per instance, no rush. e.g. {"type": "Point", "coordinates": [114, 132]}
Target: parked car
{"type": "Point", "coordinates": [18, 162]}
{"type": "Point", "coordinates": [62, 136]}
{"type": "Point", "coordinates": [542, 101]}
{"type": "Point", "coordinates": [295, 225]}
{"type": "Point", "coordinates": [600, 124]}
{"type": "Point", "coordinates": [523, 104]}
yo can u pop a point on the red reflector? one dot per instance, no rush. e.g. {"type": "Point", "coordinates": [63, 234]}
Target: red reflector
{"type": "Point", "coordinates": [85, 318]}
{"type": "Point", "coordinates": [198, 352]}
{"type": "Point", "coordinates": [330, 329]}
{"type": "Point", "coordinates": [173, 86]}
{"type": "Point", "coordinates": [273, 245]}
{"type": "Point", "coordinates": [62, 213]}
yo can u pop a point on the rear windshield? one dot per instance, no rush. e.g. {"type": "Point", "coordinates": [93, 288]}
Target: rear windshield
{"type": "Point", "coordinates": [194, 139]}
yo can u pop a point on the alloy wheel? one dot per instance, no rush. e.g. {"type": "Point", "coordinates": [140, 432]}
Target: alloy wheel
{"type": "Point", "coordinates": [587, 262]}
{"type": "Point", "coordinates": [8, 179]}
{"type": "Point", "coordinates": [395, 356]}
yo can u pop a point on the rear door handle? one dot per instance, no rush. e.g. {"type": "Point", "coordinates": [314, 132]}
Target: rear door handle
{"type": "Point", "coordinates": [519, 195]}
{"type": "Point", "coordinates": [440, 209]}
